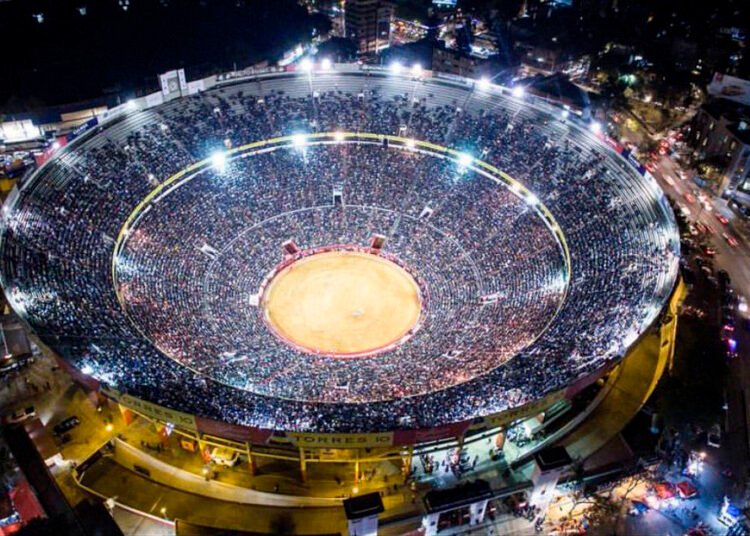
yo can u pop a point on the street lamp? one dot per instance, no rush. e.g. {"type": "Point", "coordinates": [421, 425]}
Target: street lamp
{"type": "Point", "coordinates": [416, 69]}
{"type": "Point", "coordinates": [306, 65]}
{"type": "Point", "coordinates": [396, 67]}
{"type": "Point", "coordinates": [326, 64]}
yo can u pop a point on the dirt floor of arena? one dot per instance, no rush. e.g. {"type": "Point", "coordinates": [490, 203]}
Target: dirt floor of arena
{"type": "Point", "coordinates": [343, 303]}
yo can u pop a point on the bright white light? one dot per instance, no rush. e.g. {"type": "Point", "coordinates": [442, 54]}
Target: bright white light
{"type": "Point", "coordinates": [532, 200]}
{"type": "Point", "coordinates": [410, 143]}
{"type": "Point", "coordinates": [596, 127]}
{"type": "Point", "coordinates": [416, 70]}
{"type": "Point", "coordinates": [299, 140]}
{"type": "Point", "coordinates": [396, 67]}
{"type": "Point", "coordinates": [87, 370]}
{"type": "Point", "coordinates": [219, 161]}
{"type": "Point", "coordinates": [56, 145]}
{"type": "Point", "coordinates": [338, 136]}
{"type": "Point", "coordinates": [465, 159]}
{"type": "Point", "coordinates": [326, 64]}
{"type": "Point", "coordinates": [565, 114]}
{"type": "Point", "coordinates": [484, 83]}
{"type": "Point", "coordinates": [518, 91]}
{"type": "Point", "coordinates": [306, 65]}
{"type": "Point", "coordinates": [132, 105]}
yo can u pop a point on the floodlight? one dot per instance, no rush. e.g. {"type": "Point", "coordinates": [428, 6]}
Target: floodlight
{"type": "Point", "coordinates": [396, 67]}
{"type": "Point", "coordinates": [416, 69]}
{"type": "Point", "coordinates": [299, 140]}
{"type": "Point", "coordinates": [565, 114]}
{"type": "Point", "coordinates": [518, 91]}
{"type": "Point", "coordinates": [219, 161]}
{"type": "Point", "coordinates": [306, 65]}
{"type": "Point", "coordinates": [465, 159]}
{"type": "Point", "coordinates": [326, 64]}
{"type": "Point", "coordinates": [132, 105]}
{"type": "Point", "coordinates": [596, 127]}
{"type": "Point", "coordinates": [484, 83]}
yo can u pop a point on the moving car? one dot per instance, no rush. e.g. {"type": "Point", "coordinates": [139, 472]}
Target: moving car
{"type": "Point", "coordinates": [732, 241]}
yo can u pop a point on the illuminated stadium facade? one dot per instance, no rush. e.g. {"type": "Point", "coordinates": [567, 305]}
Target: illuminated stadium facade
{"type": "Point", "coordinates": [147, 254]}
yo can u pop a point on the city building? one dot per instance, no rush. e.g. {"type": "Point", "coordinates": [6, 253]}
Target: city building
{"type": "Point", "coordinates": [451, 61]}
{"type": "Point", "coordinates": [368, 23]}
{"type": "Point", "coordinates": [720, 136]}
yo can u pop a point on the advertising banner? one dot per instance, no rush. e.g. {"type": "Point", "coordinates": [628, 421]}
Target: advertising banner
{"type": "Point", "coordinates": [730, 87]}
{"type": "Point", "coordinates": [384, 439]}
{"type": "Point", "coordinates": [151, 410]}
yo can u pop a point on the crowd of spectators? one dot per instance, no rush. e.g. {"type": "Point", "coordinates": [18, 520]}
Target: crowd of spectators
{"type": "Point", "coordinates": [507, 320]}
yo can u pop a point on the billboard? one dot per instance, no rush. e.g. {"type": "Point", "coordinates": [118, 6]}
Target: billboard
{"type": "Point", "coordinates": [730, 87]}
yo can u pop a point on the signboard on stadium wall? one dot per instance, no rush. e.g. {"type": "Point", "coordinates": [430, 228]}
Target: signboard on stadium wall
{"type": "Point", "coordinates": [384, 439]}
{"type": "Point", "coordinates": [151, 410]}
{"type": "Point", "coordinates": [225, 430]}
{"type": "Point", "coordinates": [525, 411]}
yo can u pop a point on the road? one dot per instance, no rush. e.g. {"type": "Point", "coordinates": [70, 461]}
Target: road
{"type": "Point", "coordinates": [735, 261]}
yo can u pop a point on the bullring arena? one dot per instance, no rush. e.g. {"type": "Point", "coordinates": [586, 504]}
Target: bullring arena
{"type": "Point", "coordinates": [342, 303]}
{"type": "Point", "coordinates": [349, 258]}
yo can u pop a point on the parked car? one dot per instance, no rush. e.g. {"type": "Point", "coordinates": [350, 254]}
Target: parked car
{"type": "Point", "coordinates": [66, 425]}
{"type": "Point", "coordinates": [21, 415]}
{"type": "Point", "coordinates": [713, 439]}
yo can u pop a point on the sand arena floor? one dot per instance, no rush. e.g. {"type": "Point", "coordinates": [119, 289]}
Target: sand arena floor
{"type": "Point", "coordinates": [342, 303]}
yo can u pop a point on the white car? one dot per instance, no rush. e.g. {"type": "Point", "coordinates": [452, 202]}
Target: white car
{"type": "Point", "coordinates": [21, 415]}
{"type": "Point", "coordinates": [225, 456]}
{"type": "Point", "coordinates": [713, 438]}
{"type": "Point", "coordinates": [741, 304]}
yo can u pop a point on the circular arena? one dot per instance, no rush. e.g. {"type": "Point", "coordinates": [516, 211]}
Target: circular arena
{"type": "Point", "coordinates": [340, 251]}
